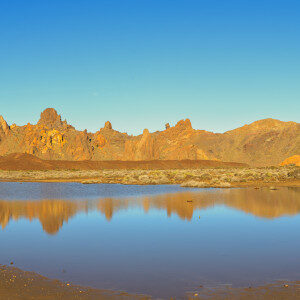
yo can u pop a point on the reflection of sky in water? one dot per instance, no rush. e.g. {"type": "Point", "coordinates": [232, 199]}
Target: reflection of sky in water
{"type": "Point", "coordinates": [156, 243]}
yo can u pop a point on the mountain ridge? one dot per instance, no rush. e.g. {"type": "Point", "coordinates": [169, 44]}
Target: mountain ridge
{"type": "Point", "coordinates": [263, 142]}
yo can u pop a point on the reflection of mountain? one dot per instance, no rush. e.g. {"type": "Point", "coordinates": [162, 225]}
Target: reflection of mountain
{"type": "Point", "coordinates": [109, 206]}
{"type": "Point", "coordinates": [53, 213]}
{"type": "Point", "coordinates": [261, 203]}
{"type": "Point", "coordinates": [264, 203]}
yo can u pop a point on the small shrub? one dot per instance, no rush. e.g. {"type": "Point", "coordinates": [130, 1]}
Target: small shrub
{"type": "Point", "coordinates": [223, 185]}
{"type": "Point", "coordinates": [295, 174]}
{"type": "Point", "coordinates": [194, 184]}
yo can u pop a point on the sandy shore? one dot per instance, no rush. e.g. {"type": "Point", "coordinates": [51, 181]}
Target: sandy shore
{"type": "Point", "coordinates": [16, 284]}
{"type": "Point", "coordinates": [275, 291]}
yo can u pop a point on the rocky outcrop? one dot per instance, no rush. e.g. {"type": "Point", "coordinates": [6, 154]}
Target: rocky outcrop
{"type": "Point", "coordinates": [264, 142]}
{"type": "Point", "coordinates": [4, 128]}
{"type": "Point", "coordinates": [174, 143]}
{"type": "Point", "coordinates": [142, 148]}
{"type": "Point", "coordinates": [293, 160]}
{"type": "Point", "coordinates": [50, 119]}
{"type": "Point", "coordinates": [107, 125]}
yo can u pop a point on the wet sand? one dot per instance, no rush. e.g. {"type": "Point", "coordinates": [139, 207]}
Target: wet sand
{"type": "Point", "coordinates": [16, 284]}
{"type": "Point", "coordinates": [276, 291]}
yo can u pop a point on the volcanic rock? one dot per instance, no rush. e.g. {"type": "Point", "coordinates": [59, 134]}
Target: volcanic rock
{"type": "Point", "coordinates": [50, 119]}
{"type": "Point", "coordinates": [107, 125]}
{"type": "Point", "coordinates": [293, 160]}
{"type": "Point", "coordinates": [261, 143]}
{"type": "Point", "coordinates": [3, 126]}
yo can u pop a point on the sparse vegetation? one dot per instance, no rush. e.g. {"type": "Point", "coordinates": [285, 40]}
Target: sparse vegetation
{"type": "Point", "coordinates": [217, 177]}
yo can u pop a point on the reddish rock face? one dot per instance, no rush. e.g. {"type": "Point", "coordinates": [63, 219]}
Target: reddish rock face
{"type": "Point", "coordinates": [184, 124]}
{"type": "Point", "coordinates": [3, 126]}
{"type": "Point", "coordinates": [107, 125]}
{"type": "Point", "coordinates": [294, 160]}
{"type": "Point", "coordinates": [264, 142]}
{"type": "Point", "coordinates": [50, 118]}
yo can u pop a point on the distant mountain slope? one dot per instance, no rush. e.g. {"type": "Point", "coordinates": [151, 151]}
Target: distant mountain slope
{"type": "Point", "coordinates": [264, 142]}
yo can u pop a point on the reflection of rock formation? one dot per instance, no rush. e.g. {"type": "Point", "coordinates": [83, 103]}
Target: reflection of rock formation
{"type": "Point", "coordinates": [109, 206]}
{"type": "Point", "coordinates": [261, 203]}
{"type": "Point", "coordinates": [264, 203]}
{"type": "Point", "coordinates": [53, 213]}
{"type": "Point", "coordinates": [173, 203]}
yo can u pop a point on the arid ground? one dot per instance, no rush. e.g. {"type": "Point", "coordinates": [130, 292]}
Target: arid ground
{"type": "Point", "coordinates": [16, 284]}
{"type": "Point", "coordinates": [188, 173]}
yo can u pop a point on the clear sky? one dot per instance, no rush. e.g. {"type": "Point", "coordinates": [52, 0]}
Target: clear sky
{"type": "Point", "coordinates": [142, 63]}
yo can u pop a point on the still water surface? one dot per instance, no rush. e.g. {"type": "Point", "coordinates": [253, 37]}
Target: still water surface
{"type": "Point", "coordinates": [158, 240]}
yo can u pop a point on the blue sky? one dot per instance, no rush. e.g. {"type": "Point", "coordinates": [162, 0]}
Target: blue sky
{"type": "Point", "coordinates": [142, 63]}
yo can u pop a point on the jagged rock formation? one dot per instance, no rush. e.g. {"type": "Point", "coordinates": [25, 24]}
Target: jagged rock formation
{"type": "Point", "coordinates": [107, 125]}
{"type": "Point", "coordinates": [54, 139]}
{"type": "Point", "coordinates": [174, 143]}
{"type": "Point", "coordinates": [50, 119]}
{"type": "Point", "coordinates": [4, 128]}
{"type": "Point", "coordinates": [264, 142]}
